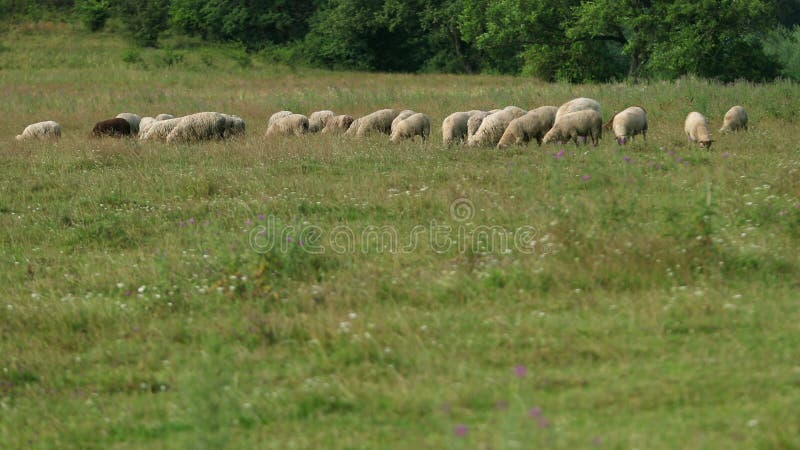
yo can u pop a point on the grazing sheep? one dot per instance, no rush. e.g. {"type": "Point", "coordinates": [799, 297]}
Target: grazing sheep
{"type": "Point", "coordinates": [581, 123]}
{"type": "Point", "coordinates": [115, 127]}
{"type": "Point", "coordinates": [404, 114]}
{"type": "Point", "coordinates": [415, 125]}
{"type": "Point", "coordinates": [735, 119]}
{"type": "Point", "coordinates": [277, 116]}
{"type": "Point", "coordinates": [234, 126]}
{"type": "Point", "coordinates": [198, 127]}
{"type": "Point", "coordinates": [318, 119]}
{"type": "Point", "coordinates": [454, 127]}
{"type": "Point", "coordinates": [338, 124]}
{"type": "Point", "coordinates": [493, 127]}
{"type": "Point", "coordinates": [133, 120]}
{"type": "Point", "coordinates": [533, 125]}
{"type": "Point", "coordinates": [164, 117]}
{"type": "Point", "coordinates": [578, 104]}
{"type": "Point", "coordinates": [294, 124]}
{"type": "Point", "coordinates": [40, 130]}
{"type": "Point", "coordinates": [160, 129]}
{"type": "Point", "coordinates": [475, 121]}
{"type": "Point", "coordinates": [353, 128]}
{"type": "Point", "coordinates": [696, 128]}
{"type": "Point", "coordinates": [145, 124]}
{"type": "Point", "coordinates": [628, 123]}
{"type": "Point", "coordinates": [380, 121]}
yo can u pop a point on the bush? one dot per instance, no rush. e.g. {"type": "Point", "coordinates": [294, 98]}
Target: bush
{"type": "Point", "coordinates": [93, 13]}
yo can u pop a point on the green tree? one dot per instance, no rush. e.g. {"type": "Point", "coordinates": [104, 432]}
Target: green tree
{"type": "Point", "coordinates": [144, 19]}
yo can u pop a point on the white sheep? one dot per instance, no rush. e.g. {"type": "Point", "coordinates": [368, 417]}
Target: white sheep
{"type": "Point", "coordinates": [277, 116]}
{"type": "Point", "coordinates": [318, 119]}
{"type": "Point", "coordinates": [145, 124]}
{"type": "Point", "coordinates": [40, 130]}
{"type": "Point", "coordinates": [338, 124]}
{"type": "Point", "coordinates": [696, 128]}
{"type": "Point", "coordinates": [493, 127]}
{"type": "Point", "coordinates": [570, 126]}
{"type": "Point", "coordinates": [628, 123]}
{"type": "Point", "coordinates": [415, 125]}
{"type": "Point", "coordinates": [164, 117]}
{"type": "Point", "coordinates": [160, 129]}
{"type": "Point", "coordinates": [735, 119]}
{"type": "Point", "coordinates": [454, 127]}
{"type": "Point", "coordinates": [197, 127]}
{"type": "Point", "coordinates": [577, 104]}
{"type": "Point", "coordinates": [404, 114]}
{"type": "Point", "coordinates": [533, 125]}
{"type": "Point", "coordinates": [133, 120]}
{"type": "Point", "coordinates": [474, 122]}
{"type": "Point", "coordinates": [293, 124]}
{"type": "Point", "coordinates": [380, 121]}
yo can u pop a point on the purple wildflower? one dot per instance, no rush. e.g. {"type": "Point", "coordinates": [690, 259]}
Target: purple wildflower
{"type": "Point", "coordinates": [460, 430]}
{"type": "Point", "coordinates": [586, 177]}
{"type": "Point", "coordinates": [726, 155]}
{"type": "Point", "coordinates": [535, 412]}
{"type": "Point", "coordinates": [300, 243]}
{"type": "Point", "coordinates": [247, 222]}
{"type": "Point", "coordinates": [559, 155]}
{"type": "Point", "coordinates": [190, 221]}
{"type": "Point", "coordinates": [260, 217]}
{"type": "Point", "coordinates": [520, 371]}
{"type": "Point", "coordinates": [678, 159]}
{"type": "Point", "coordinates": [127, 293]}
{"type": "Point", "coordinates": [542, 422]}
{"type": "Point", "coordinates": [626, 158]}
{"type": "Point", "coordinates": [583, 139]}
{"type": "Point", "coordinates": [181, 224]}
{"type": "Point", "coordinates": [288, 239]}
{"type": "Point", "coordinates": [672, 153]}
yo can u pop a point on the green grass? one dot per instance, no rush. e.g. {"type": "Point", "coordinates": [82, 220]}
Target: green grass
{"type": "Point", "coordinates": [658, 307]}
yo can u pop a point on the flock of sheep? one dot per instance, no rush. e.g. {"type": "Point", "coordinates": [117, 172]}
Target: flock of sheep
{"type": "Point", "coordinates": [578, 118]}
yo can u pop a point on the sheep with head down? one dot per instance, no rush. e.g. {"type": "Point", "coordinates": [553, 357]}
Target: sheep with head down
{"type": "Point", "coordinates": [417, 124]}
{"type": "Point", "coordinates": [570, 126]}
{"type": "Point", "coordinates": [338, 124]}
{"type": "Point", "coordinates": [735, 119]}
{"type": "Point", "coordinates": [533, 125]}
{"type": "Point", "coordinates": [454, 127]}
{"type": "Point", "coordinates": [234, 126]}
{"type": "Point", "coordinates": [578, 104]}
{"type": "Point", "coordinates": [133, 120]}
{"type": "Point", "coordinates": [318, 119]}
{"type": "Point", "coordinates": [474, 122]}
{"type": "Point", "coordinates": [277, 116]}
{"type": "Point", "coordinates": [159, 130]}
{"type": "Point", "coordinates": [40, 130]}
{"type": "Point", "coordinates": [404, 114]}
{"type": "Point", "coordinates": [696, 129]}
{"type": "Point", "coordinates": [493, 127]}
{"type": "Point", "coordinates": [197, 127]}
{"type": "Point", "coordinates": [115, 127]}
{"type": "Point", "coordinates": [293, 124]}
{"type": "Point", "coordinates": [628, 123]}
{"type": "Point", "coordinates": [145, 124]}
{"type": "Point", "coordinates": [379, 121]}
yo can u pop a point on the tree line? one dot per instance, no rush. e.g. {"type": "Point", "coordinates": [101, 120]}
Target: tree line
{"type": "Point", "coordinates": [569, 40]}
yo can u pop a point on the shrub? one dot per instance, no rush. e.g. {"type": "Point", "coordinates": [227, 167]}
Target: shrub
{"type": "Point", "coordinates": [93, 13]}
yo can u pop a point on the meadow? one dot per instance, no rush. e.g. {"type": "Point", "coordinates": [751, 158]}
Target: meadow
{"type": "Point", "coordinates": [288, 293]}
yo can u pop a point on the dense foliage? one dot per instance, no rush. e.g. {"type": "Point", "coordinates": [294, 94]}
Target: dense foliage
{"type": "Point", "coordinates": [573, 40]}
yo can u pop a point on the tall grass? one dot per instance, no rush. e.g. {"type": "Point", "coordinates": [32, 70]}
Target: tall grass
{"type": "Point", "coordinates": [651, 305]}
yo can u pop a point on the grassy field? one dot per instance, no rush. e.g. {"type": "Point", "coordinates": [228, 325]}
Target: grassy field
{"type": "Point", "coordinates": [325, 292]}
